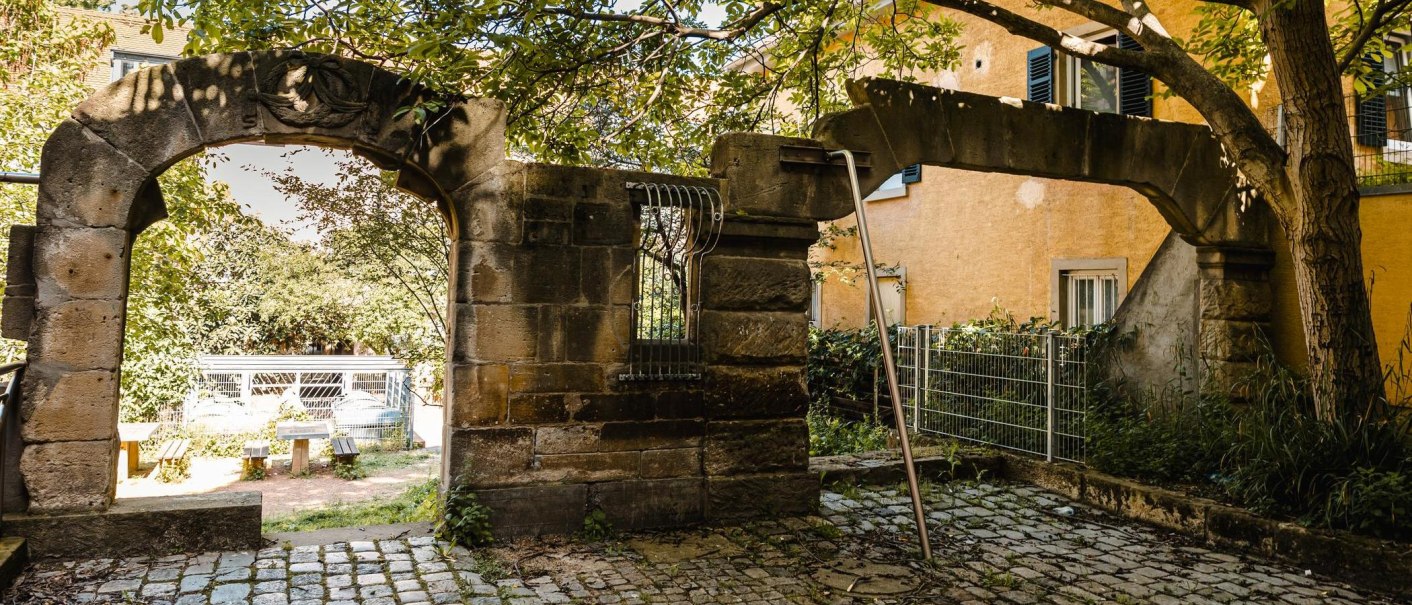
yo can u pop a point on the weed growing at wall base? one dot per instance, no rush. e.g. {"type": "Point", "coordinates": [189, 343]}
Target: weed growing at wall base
{"type": "Point", "coordinates": [1269, 454]}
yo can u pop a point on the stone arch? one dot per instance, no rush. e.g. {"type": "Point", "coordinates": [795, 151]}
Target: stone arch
{"type": "Point", "coordinates": [98, 191]}
{"type": "Point", "coordinates": [1180, 168]}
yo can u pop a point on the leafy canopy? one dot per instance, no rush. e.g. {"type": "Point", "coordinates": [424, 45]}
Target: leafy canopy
{"type": "Point", "coordinates": [597, 82]}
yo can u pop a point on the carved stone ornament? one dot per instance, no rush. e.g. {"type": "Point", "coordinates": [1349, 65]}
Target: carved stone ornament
{"type": "Point", "coordinates": [311, 90]}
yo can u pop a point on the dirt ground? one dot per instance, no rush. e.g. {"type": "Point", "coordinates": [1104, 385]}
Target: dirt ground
{"type": "Point", "coordinates": [283, 493]}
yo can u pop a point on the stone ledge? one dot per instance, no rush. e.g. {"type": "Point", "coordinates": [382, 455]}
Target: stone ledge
{"type": "Point", "coordinates": [876, 468]}
{"type": "Point", "coordinates": [145, 527]}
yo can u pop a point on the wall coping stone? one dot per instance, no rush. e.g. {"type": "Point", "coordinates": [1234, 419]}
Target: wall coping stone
{"type": "Point", "coordinates": [159, 525]}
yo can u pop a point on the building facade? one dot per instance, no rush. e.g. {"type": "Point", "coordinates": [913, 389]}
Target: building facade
{"type": "Point", "coordinates": [958, 244]}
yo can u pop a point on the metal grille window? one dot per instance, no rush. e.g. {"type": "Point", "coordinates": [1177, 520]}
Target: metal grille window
{"type": "Point", "coordinates": [1092, 298]}
{"type": "Point", "coordinates": [677, 226]}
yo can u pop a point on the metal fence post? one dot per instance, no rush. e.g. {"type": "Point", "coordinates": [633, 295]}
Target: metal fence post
{"type": "Point", "coordinates": [1050, 350]}
{"type": "Point", "coordinates": [924, 365]}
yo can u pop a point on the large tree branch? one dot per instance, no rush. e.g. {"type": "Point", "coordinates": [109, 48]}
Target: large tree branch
{"type": "Point", "coordinates": [730, 31]}
{"type": "Point", "coordinates": [1381, 15]}
{"type": "Point", "coordinates": [1255, 152]}
{"type": "Point", "coordinates": [1044, 34]}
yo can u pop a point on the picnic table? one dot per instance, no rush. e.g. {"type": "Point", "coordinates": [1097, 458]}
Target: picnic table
{"type": "Point", "coordinates": [300, 432]}
{"type": "Point", "coordinates": [131, 435]}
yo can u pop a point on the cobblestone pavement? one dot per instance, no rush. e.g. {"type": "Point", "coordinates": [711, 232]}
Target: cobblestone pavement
{"type": "Point", "coordinates": [1005, 543]}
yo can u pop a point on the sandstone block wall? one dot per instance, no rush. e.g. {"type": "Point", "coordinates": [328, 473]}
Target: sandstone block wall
{"type": "Point", "coordinates": [541, 422]}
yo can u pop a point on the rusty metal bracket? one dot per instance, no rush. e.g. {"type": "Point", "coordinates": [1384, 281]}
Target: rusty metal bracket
{"type": "Point", "coordinates": [817, 157]}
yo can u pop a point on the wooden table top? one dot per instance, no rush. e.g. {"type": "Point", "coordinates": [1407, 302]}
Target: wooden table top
{"type": "Point", "coordinates": [136, 431]}
{"type": "Point", "coordinates": [295, 429]}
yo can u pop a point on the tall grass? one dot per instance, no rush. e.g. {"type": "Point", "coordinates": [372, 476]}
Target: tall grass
{"type": "Point", "coordinates": [1270, 454]}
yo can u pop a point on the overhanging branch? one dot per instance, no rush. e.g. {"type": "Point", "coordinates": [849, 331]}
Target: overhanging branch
{"type": "Point", "coordinates": [1382, 14]}
{"type": "Point", "coordinates": [674, 27]}
{"type": "Point", "coordinates": [1044, 34]}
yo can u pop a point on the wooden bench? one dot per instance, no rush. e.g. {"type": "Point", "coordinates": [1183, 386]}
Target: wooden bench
{"type": "Point", "coordinates": [254, 455]}
{"type": "Point", "coordinates": [171, 458]}
{"type": "Point", "coordinates": [344, 450]}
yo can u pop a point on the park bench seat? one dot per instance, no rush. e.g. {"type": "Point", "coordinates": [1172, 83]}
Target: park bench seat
{"type": "Point", "coordinates": [172, 450]}
{"type": "Point", "coordinates": [255, 452]}
{"type": "Point", "coordinates": [344, 450]}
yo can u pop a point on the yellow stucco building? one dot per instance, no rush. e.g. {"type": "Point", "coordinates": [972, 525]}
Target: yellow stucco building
{"type": "Point", "coordinates": [961, 243]}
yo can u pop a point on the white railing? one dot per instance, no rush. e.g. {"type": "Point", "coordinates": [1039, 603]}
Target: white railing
{"type": "Point", "coordinates": [1015, 390]}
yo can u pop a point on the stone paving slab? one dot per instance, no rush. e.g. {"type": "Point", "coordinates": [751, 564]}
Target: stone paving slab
{"type": "Point", "coordinates": [995, 543]}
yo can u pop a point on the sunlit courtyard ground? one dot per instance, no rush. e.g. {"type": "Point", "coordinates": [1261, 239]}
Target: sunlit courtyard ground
{"type": "Point", "coordinates": [996, 542]}
{"type": "Point", "coordinates": [389, 473]}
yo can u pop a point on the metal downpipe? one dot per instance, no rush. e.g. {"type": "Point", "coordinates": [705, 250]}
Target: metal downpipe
{"type": "Point", "coordinates": [889, 363]}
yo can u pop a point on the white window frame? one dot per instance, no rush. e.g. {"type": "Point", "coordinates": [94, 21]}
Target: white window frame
{"type": "Point", "coordinates": [1397, 149]}
{"type": "Point", "coordinates": [900, 274]}
{"type": "Point", "coordinates": [1061, 298]}
{"type": "Point", "coordinates": [892, 188]}
{"type": "Point", "coordinates": [122, 59]}
{"type": "Point", "coordinates": [816, 304]}
{"type": "Point", "coordinates": [1067, 90]}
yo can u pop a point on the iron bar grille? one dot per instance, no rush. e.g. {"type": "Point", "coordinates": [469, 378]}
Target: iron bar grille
{"type": "Point", "coordinates": [367, 405]}
{"type": "Point", "coordinates": [1021, 391]}
{"type": "Point", "coordinates": [1382, 137]}
{"type": "Point", "coordinates": [677, 226]}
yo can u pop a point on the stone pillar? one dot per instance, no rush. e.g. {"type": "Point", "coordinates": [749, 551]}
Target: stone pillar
{"type": "Point", "coordinates": [68, 413]}
{"type": "Point", "coordinates": [540, 423]}
{"type": "Point", "coordinates": [1236, 301]}
{"type": "Point", "coordinates": [754, 334]}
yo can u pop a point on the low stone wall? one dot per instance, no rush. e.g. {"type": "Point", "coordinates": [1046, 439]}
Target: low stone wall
{"type": "Point", "coordinates": [144, 527]}
{"type": "Point", "coordinates": [1382, 565]}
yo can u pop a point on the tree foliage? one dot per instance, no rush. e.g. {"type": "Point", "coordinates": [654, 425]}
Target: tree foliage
{"type": "Point", "coordinates": [43, 57]}
{"type": "Point", "coordinates": [587, 83]}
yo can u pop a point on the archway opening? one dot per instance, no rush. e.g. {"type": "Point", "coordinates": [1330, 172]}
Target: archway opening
{"type": "Point", "coordinates": [290, 310]}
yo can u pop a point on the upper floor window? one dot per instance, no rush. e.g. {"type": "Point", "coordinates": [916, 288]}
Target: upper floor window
{"type": "Point", "coordinates": [125, 63]}
{"type": "Point", "coordinates": [896, 185]}
{"type": "Point", "coordinates": [1057, 77]}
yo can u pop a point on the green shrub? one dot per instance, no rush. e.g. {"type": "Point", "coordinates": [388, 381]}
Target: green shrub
{"type": "Point", "coordinates": [1270, 454]}
{"type": "Point", "coordinates": [596, 527]}
{"type": "Point", "coordinates": [832, 436]}
{"type": "Point", "coordinates": [175, 471]}
{"type": "Point", "coordinates": [463, 519]}
{"type": "Point", "coordinates": [349, 471]}
{"type": "Point", "coordinates": [252, 473]}
{"type": "Point", "coordinates": [841, 363]}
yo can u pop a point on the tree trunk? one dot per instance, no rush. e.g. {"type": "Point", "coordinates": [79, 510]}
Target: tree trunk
{"type": "Point", "coordinates": [1319, 210]}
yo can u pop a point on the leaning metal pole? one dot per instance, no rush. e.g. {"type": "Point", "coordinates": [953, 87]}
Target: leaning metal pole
{"type": "Point", "coordinates": [889, 364]}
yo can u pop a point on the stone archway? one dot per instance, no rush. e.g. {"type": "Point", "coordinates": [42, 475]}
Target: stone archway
{"type": "Point", "coordinates": [98, 191]}
{"type": "Point", "coordinates": [1180, 168]}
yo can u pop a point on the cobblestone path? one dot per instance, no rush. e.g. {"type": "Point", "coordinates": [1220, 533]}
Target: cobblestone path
{"type": "Point", "coordinates": [996, 543]}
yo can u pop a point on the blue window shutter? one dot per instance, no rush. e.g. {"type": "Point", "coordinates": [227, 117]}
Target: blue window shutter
{"type": "Point", "coordinates": [1370, 123]}
{"type": "Point", "coordinates": [912, 174]}
{"type": "Point", "coordinates": [1041, 75]}
{"type": "Point", "coordinates": [1134, 85]}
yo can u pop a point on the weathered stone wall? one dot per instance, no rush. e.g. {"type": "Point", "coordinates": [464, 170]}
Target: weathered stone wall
{"type": "Point", "coordinates": [1152, 348]}
{"type": "Point", "coordinates": [540, 424]}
